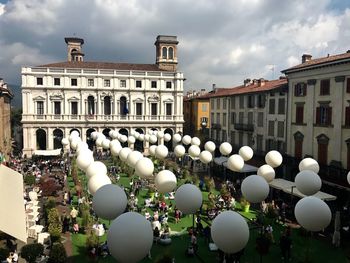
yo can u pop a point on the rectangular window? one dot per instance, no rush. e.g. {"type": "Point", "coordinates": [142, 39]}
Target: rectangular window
{"type": "Point", "coordinates": [348, 85]}
{"type": "Point", "coordinates": [74, 109]}
{"type": "Point", "coordinates": [233, 103]}
{"type": "Point", "coordinates": [241, 102]}
{"type": "Point", "coordinates": [324, 115]}
{"type": "Point", "coordinates": [251, 101]}
{"type": "Point", "coordinates": [224, 103]}
{"type": "Point", "coordinates": [325, 87]}
{"type": "Point", "coordinates": [218, 118]}
{"type": "Point", "coordinates": [123, 83]}
{"type": "Point", "coordinates": [154, 110]}
{"type": "Point", "coordinates": [204, 107]}
{"type": "Point", "coordinates": [281, 106]}
{"type": "Point", "coordinates": [261, 101]}
{"type": "Point", "coordinates": [271, 130]}
{"type": "Point", "coordinates": [300, 90]}
{"type": "Point", "coordinates": [260, 119]}
{"type": "Point", "coordinates": [272, 106]}
{"type": "Point", "coordinates": [91, 83]}
{"type": "Point", "coordinates": [299, 114]}
{"type": "Point", "coordinates": [250, 117]}
{"type": "Point", "coordinates": [153, 84]}
{"type": "Point", "coordinates": [138, 109]}
{"type": "Point", "coordinates": [39, 81]}
{"type": "Point", "coordinates": [57, 106]}
{"type": "Point", "coordinates": [40, 107]}
{"type": "Point", "coordinates": [233, 135]}
{"type": "Point", "coordinates": [218, 103]}
{"type": "Point", "coordinates": [168, 85]}
{"type": "Point", "coordinates": [280, 129]}
{"type": "Point", "coordinates": [240, 117]}
{"type": "Point", "coordinates": [347, 116]}
{"type": "Point", "coordinates": [168, 109]}
{"type": "Point", "coordinates": [56, 81]}
{"type": "Point", "coordinates": [138, 84]}
{"type": "Point", "coordinates": [107, 83]}
{"type": "Point", "coordinates": [224, 119]}
{"type": "Point", "coordinates": [74, 82]}
{"type": "Point", "coordinates": [233, 117]}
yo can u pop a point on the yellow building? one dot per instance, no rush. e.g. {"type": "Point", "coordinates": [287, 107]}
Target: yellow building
{"type": "Point", "coordinates": [5, 120]}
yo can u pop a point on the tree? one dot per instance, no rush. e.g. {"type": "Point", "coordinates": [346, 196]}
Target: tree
{"type": "Point", "coordinates": [29, 180]}
{"type": "Point", "coordinates": [31, 251]}
{"type": "Point", "coordinates": [57, 254]}
{"type": "Point", "coordinates": [4, 252]}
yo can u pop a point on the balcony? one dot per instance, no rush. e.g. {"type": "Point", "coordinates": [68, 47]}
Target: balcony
{"type": "Point", "coordinates": [244, 127]}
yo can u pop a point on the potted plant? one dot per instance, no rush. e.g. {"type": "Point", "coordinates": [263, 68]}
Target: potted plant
{"type": "Point", "coordinates": [245, 205]}
{"type": "Point", "coordinates": [30, 252]}
{"type": "Point", "coordinates": [57, 254]}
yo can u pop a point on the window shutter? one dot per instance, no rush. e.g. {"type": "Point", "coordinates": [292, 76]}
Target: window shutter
{"type": "Point", "coordinates": [329, 122]}
{"type": "Point", "coordinates": [348, 85]}
{"type": "Point", "coordinates": [347, 116]}
{"type": "Point", "coordinates": [318, 115]}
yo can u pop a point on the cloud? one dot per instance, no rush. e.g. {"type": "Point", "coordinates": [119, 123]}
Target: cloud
{"type": "Point", "coordinates": [2, 9]}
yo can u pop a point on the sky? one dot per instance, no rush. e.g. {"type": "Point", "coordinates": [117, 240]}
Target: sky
{"type": "Point", "coordinates": [221, 42]}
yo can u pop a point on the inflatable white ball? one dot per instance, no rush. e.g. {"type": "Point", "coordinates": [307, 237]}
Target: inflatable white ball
{"type": "Point", "coordinates": [177, 138]}
{"type": "Point", "coordinates": [195, 141]}
{"type": "Point", "coordinates": [94, 135]}
{"type": "Point", "coordinates": [131, 140]}
{"type": "Point", "coordinates": [312, 213]}
{"type": "Point", "coordinates": [123, 154]}
{"type": "Point", "coordinates": [255, 188]}
{"type": "Point", "coordinates": [308, 182]}
{"type": "Point", "coordinates": [225, 148]}
{"type": "Point", "coordinates": [194, 151]}
{"type": "Point", "coordinates": [132, 132]}
{"type": "Point", "coordinates": [123, 138]}
{"type": "Point", "coordinates": [109, 201]}
{"type": "Point", "coordinates": [230, 232]}
{"type": "Point", "coordinates": [165, 181]}
{"type": "Point", "coordinates": [161, 151]}
{"type": "Point", "coordinates": [130, 237]}
{"type": "Point", "coordinates": [188, 198]}
{"type": "Point", "coordinates": [144, 167]}
{"type": "Point", "coordinates": [105, 144]}
{"type": "Point", "coordinates": [205, 157]}
{"type": "Point", "coordinates": [96, 181]}
{"type": "Point", "coordinates": [210, 146]}
{"type": "Point", "coordinates": [99, 141]}
{"type": "Point", "coordinates": [348, 177]}
{"type": "Point", "coordinates": [96, 167]}
{"type": "Point", "coordinates": [160, 134]}
{"type": "Point", "coordinates": [133, 157]}
{"type": "Point", "coordinates": [179, 150]}
{"type": "Point", "coordinates": [273, 158]}
{"type": "Point", "coordinates": [141, 137]}
{"type": "Point", "coordinates": [147, 136]}
{"type": "Point", "coordinates": [150, 132]}
{"type": "Point", "coordinates": [153, 139]}
{"type": "Point", "coordinates": [82, 146]}
{"type": "Point", "coordinates": [74, 134]}
{"type": "Point", "coordinates": [246, 153]}
{"type": "Point", "coordinates": [115, 149]}
{"type": "Point", "coordinates": [167, 137]}
{"type": "Point", "coordinates": [186, 140]}
{"type": "Point", "coordinates": [152, 150]}
{"type": "Point", "coordinates": [65, 141]}
{"type": "Point", "coordinates": [235, 163]}
{"type": "Point", "coordinates": [113, 143]}
{"type": "Point", "coordinates": [114, 134]}
{"type": "Point", "coordinates": [84, 159]}
{"type": "Point", "coordinates": [267, 172]}
{"type": "Point", "coordinates": [309, 164]}
{"type": "Point", "coordinates": [74, 143]}
{"type": "Point", "coordinates": [110, 133]}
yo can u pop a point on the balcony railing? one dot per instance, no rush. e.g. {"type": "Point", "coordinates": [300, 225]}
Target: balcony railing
{"type": "Point", "coordinates": [244, 127]}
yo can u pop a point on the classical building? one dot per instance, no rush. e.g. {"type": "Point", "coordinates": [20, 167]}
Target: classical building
{"type": "Point", "coordinates": [252, 114]}
{"type": "Point", "coordinates": [100, 96]}
{"type": "Point", "coordinates": [319, 110]}
{"type": "Point", "coordinates": [5, 119]}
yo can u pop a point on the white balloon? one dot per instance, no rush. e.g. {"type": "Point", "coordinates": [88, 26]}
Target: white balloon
{"type": "Point", "coordinates": [186, 140]}
{"type": "Point", "coordinates": [309, 164]}
{"type": "Point", "coordinates": [123, 138]}
{"type": "Point", "coordinates": [230, 232]}
{"type": "Point", "coordinates": [74, 134]}
{"type": "Point", "coordinates": [235, 163]}
{"type": "Point", "coordinates": [130, 237]}
{"type": "Point", "coordinates": [150, 132]}
{"type": "Point", "coordinates": [147, 136]}
{"type": "Point", "coordinates": [210, 146]}
{"type": "Point", "coordinates": [94, 135]}
{"type": "Point", "coordinates": [195, 141]}
{"type": "Point", "coordinates": [123, 154]}
{"type": "Point", "coordinates": [132, 132]}
{"type": "Point", "coordinates": [167, 137]}
{"type": "Point", "coordinates": [115, 149]}
{"type": "Point", "coordinates": [312, 213]}
{"type": "Point", "coordinates": [65, 141]}
{"type": "Point", "coordinates": [205, 157]}
{"type": "Point", "coordinates": [137, 134]}
{"type": "Point", "coordinates": [153, 139]}
{"type": "Point", "coordinates": [161, 151]}
{"type": "Point", "coordinates": [141, 137]}
{"type": "Point", "coordinates": [74, 143]}
{"type": "Point", "coordinates": [105, 144]}
{"type": "Point", "coordinates": [225, 148]}
{"type": "Point", "coordinates": [165, 181]}
{"type": "Point", "coordinates": [114, 135]}
{"type": "Point", "coordinates": [194, 151]}
{"type": "Point", "coordinates": [131, 140]}
{"type": "Point", "coordinates": [133, 157]}
{"type": "Point", "coordinates": [188, 198]}
{"type": "Point", "coordinates": [96, 167]}
{"type": "Point", "coordinates": [255, 188]}
{"type": "Point", "coordinates": [110, 133]}
{"type": "Point", "coordinates": [99, 141]}
{"type": "Point", "coordinates": [267, 172]}
{"type": "Point", "coordinates": [155, 132]}
{"type": "Point", "coordinates": [144, 167]}
{"type": "Point", "coordinates": [152, 150]}
{"type": "Point", "coordinates": [308, 182]}
{"type": "Point", "coordinates": [177, 138]}
{"type": "Point", "coordinates": [179, 150]}
{"type": "Point", "coordinates": [109, 201]}
{"type": "Point", "coordinates": [96, 181]}
{"type": "Point", "coordinates": [114, 142]}
{"type": "Point", "coordinates": [84, 159]}
{"type": "Point", "coordinates": [273, 158]}
{"type": "Point", "coordinates": [81, 146]}
{"type": "Point", "coordinates": [160, 134]}
{"type": "Point", "coordinates": [246, 152]}
{"type": "Point", "coordinates": [348, 177]}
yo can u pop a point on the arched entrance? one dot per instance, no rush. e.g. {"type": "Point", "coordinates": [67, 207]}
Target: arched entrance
{"type": "Point", "coordinates": [169, 144]}
{"type": "Point", "coordinates": [123, 110]}
{"type": "Point", "coordinates": [40, 139]}
{"type": "Point", "coordinates": [57, 138]}
{"type": "Point", "coordinates": [106, 132]}
{"type": "Point", "coordinates": [90, 142]}
{"type": "Point", "coordinates": [126, 133]}
{"type": "Point", "coordinates": [138, 143]}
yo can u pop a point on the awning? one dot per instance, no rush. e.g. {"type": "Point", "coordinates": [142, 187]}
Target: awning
{"type": "Point", "coordinates": [55, 152]}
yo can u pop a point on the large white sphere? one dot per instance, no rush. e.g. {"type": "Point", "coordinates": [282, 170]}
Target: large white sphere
{"type": "Point", "coordinates": [94, 135]}
{"type": "Point", "coordinates": [141, 137]}
{"type": "Point", "coordinates": [136, 135]}
{"type": "Point", "coordinates": [105, 144]}
{"type": "Point", "coordinates": [114, 134]}
{"type": "Point", "coordinates": [273, 158]}
{"type": "Point", "coordinates": [246, 152]}
{"type": "Point", "coordinates": [152, 150]}
{"type": "Point", "coordinates": [225, 148]}
{"type": "Point", "coordinates": [235, 163]}
{"type": "Point", "coordinates": [309, 164]}
{"type": "Point", "coordinates": [74, 143]}
{"type": "Point", "coordinates": [267, 172]}
{"type": "Point", "coordinates": [188, 198]}
{"type": "Point", "coordinates": [81, 146]}
{"type": "Point", "coordinates": [84, 159]}
{"type": "Point", "coordinates": [161, 151]}
{"type": "Point", "coordinates": [308, 182]}
{"type": "Point", "coordinates": [96, 181]}
{"type": "Point", "coordinates": [115, 149]}
{"type": "Point", "coordinates": [160, 134]}
{"type": "Point", "coordinates": [109, 201]}
{"type": "Point", "coordinates": [153, 139]}
{"type": "Point", "coordinates": [186, 140]}
{"type": "Point", "coordinates": [133, 157]}
{"type": "Point", "coordinates": [114, 142]}
{"type": "Point", "coordinates": [147, 136]}
{"type": "Point", "coordinates": [195, 141]}
{"type": "Point", "coordinates": [132, 132]}
{"type": "Point", "coordinates": [74, 134]}
{"type": "Point", "coordinates": [165, 181]}
{"type": "Point", "coordinates": [179, 150]}
{"type": "Point", "coordinates": [123, 138]}
{"type": "Point", "coordinates": [155, 132]}
{"type": "Point", "coordinates": [255, 188]}
{"type": "Point", "coordinates": [96, 167]}
{"type": "Point", "coordinates": [348, 177]}
{"type": "Point", "coordinates": [110, 133]}
{"type": "Point", "coordinates": [194, 151]}
{"type": "Point", "coordinates": [144, 167]}
{"type": "Point", "coordinates": [205, 157]}
{"type": "Point", "coordinates": [312, 213]}
{"type": "Point", "coordinates": [99, 141]}
{"type": "Point", "coordinates": [177, 138]}
{"type": "Point", "coordinates": [130, 237]}
{"type": "Point", "coordinates": [123, 154]}
{"type": "Point", "coordinates": [150, 132]}
{"type": "Point", "coordinates": [131, 140]}
{"type": "Point", "coordinates": [230, 232]}
{"type": "Point", "coordinates": [210, 146]}
{"type": "Point", "coordinates": [65, 141]}
{"type": "Point", "coordinates": [167, 137]}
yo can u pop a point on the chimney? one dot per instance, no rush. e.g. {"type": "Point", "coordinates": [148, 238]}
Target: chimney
{"type": "Point", "coordinates": [246, 82]}
{"type": "Point", "coordinates": [282, 77]}
{"type": "Point", "coordinates": [305, 58]}
{"type": "Point", "coordinates": [261, 82]}
{"type": "Point", "coordinates": [255, 81]}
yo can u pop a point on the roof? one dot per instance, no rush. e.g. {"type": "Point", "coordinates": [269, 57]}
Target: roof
{"type": "Point", "coordinates": [103, 65]}
{"type": "Point", "coordinates": [320, 62]}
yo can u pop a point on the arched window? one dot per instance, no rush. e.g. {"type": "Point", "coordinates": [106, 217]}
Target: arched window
{"type": "Point", "coordinates": [91, 105]}
{"type": "Point", "coordinates": [57, 137]}
{"type": "Point", "coordinates": [164, 52]}
{"type": "Point", "coordinates": [298, 145]}
{"type": "Point", "coordinates": [323, 142]}
{"type": "Point", "coordinates": [107, 105]}
{"type": "Point", "coordinates": [171, 53]}
{"type": "Point", "coordinates": [89, 140]}
{"type": "Point", "coordinates": [41, 139]}
{"type": "Point", "coordinates": [123, 110]}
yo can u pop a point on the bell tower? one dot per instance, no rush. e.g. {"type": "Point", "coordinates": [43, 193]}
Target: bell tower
{"type": "Point", "coordinates": [74, 52]}
{"type": "Point", "coordinates": [166, 52]}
